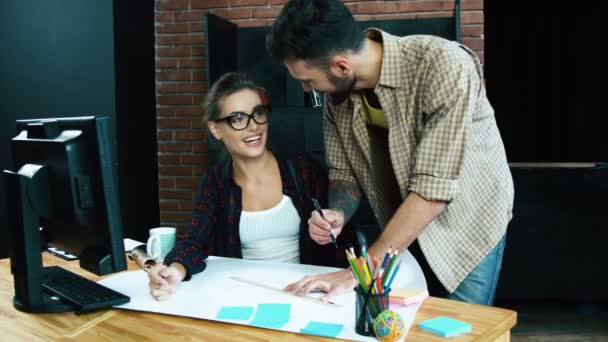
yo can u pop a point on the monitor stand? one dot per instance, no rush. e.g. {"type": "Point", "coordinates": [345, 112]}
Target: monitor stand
{"type": "Point", "coordinates": [27, 199]}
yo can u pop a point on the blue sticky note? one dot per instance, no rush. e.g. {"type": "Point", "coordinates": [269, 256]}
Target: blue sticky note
{"type": "Point", "coordinates": [322, 329]}
{"type": "Point", "coordinates": [445, 326]}
{"type": "Point", "coordinates": [272, 315]}
{"type": "Point", "coordinates": [241, 313]}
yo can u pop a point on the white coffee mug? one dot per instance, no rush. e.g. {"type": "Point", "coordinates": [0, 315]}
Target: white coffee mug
{"type": "Point", "coordinates": [161, 241]}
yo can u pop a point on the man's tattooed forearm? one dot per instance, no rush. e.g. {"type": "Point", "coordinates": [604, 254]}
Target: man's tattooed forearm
{"type": "Point", "coordinates": [344, 196]}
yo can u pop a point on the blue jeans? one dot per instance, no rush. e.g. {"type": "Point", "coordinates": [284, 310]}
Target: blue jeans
{"type": "Point", "coordinates": [478, 287]}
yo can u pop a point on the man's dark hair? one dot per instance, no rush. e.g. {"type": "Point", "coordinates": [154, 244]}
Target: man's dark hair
{"type": "Point", "coordinates": [313, 30]}
{"type": "Point", "coordinates": [227, 85]}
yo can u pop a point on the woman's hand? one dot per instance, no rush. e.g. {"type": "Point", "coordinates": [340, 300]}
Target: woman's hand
{"type": "Point", "coordinates": [319, 227]}
{"type": "Point", "coordinates": [165, 280]}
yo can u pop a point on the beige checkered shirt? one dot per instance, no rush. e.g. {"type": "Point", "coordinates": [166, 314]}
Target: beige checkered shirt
{"type": "Point", "coordinates": [442, 143]}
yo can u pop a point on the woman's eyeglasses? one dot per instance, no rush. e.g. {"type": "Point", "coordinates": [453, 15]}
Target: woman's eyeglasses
{"type": "Point", "coordinates": [240, 120]}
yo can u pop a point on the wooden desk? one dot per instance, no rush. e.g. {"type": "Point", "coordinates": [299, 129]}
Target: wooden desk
{"type": "Point", "coordinates": [489, 323]}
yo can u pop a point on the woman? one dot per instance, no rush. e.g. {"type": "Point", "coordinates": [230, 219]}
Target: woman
{"type": "Point", "coordinates": [255, 206]}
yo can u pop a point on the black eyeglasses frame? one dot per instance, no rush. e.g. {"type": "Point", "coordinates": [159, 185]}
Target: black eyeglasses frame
{"type": "Point", "coordinates": [249, 117]}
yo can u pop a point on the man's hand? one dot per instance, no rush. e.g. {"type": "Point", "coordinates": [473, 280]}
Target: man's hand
{"type": "Point", "coordinates": [331, 283]}
{"type": "Point", "coordinates": [319, 228]}
{"type": "Point", "coordinates": [165, 280]}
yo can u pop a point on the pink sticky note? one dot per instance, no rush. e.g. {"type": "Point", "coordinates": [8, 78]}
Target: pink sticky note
{"type": "Point", "coordinates": [407, 296]}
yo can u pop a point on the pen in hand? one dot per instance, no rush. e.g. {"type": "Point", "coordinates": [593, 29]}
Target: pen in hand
{"type": "Point", "coordinates": [318, 209]}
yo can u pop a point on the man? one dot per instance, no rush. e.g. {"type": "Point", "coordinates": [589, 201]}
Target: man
{"type": "Point", "coordinates": [408, 123]}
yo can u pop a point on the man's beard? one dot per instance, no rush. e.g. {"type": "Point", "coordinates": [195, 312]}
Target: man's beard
{"type": "Point", "coordinates": [344, 87]}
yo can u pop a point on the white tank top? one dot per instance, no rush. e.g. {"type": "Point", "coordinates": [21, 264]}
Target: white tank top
{"type": "Point", "coordinates": [272, 234]}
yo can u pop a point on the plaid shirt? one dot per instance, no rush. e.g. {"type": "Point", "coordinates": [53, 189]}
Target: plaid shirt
{"type": "Point", "coordinates": [214, 229]}
{"type": "Point", "coordinates": [442, 143]}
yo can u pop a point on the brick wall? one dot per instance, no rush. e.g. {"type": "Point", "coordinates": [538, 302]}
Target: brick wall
{"type": "Point", "coordinates": [180, 77]}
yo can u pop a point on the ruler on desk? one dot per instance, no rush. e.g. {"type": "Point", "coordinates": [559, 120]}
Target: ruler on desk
{"type": "Point", "coordinates": [276, 289]}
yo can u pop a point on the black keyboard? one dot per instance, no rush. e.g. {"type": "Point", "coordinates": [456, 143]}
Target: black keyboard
{"type": "Point", "coordinates": [83, 294]}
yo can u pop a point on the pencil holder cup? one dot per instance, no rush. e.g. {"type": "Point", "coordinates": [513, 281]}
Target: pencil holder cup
{"type": "Point", "coordinates": [367, 308]}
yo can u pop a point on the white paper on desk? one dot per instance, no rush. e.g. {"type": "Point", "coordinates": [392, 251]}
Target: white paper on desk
{"type": "Point", "coordinates": [130, 244]}
{"type": "Point", "coordinates": [206, 293]}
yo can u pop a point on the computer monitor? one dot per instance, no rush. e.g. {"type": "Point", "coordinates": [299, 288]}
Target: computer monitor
{"type": "Point", "coordinates": [64, 194]}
